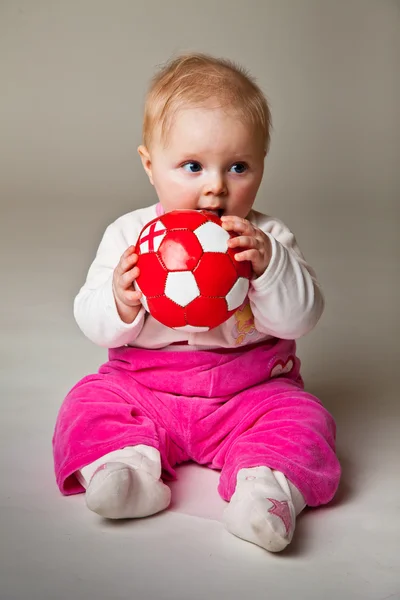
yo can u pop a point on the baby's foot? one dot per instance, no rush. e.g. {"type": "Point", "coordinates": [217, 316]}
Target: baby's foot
{"type": "Point", "coordinates": [260, 511]}
{"type": "Point", "coordinates": [119, 491]}
{"type": "Point", "coordinates": [125, 483]}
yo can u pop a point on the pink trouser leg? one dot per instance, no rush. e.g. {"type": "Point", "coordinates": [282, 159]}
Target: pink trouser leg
{"type": "Point", "coordinates": [97, 417]}
{"type": "Point", "coordinates": [290, 431]}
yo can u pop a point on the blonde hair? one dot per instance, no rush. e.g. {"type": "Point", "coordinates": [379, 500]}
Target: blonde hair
{"type": "Point", "coordinates": [195, 79]}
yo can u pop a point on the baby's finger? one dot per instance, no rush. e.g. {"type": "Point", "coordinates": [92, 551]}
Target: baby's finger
{"type": "Point", "coordinates": [128, 262]}
{"type": "Point", "coordinates": [129, 277]}
{"type": "Point", "coordinates": [243, 241]}
{"type": "Point", "coordinates": [130, 250]}
{"type": "Point", "coordinates": [252, 255]}
{"type": "Point", "coordinates": [237, 224]}
{"type": "Point", "coordinates": [132, 297]}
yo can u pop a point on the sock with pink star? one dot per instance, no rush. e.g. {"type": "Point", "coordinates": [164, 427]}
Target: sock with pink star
{"type": "Point", "coordinates": [263, 508]}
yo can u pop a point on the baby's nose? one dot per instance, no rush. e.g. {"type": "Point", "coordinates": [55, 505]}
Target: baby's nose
{"type": "Point", "coordinates": [215, 186]}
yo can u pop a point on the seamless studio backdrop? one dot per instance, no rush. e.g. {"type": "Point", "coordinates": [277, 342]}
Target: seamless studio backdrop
{"type": "Point", "coordinates": [73, 78]}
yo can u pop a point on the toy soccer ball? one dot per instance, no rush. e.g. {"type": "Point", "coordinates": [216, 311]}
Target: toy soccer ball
{"type": "Point", "coordinates": [189, 277]}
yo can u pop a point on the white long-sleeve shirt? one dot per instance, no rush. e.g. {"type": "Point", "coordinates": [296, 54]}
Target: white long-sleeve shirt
{"type": "Point", "coordinates": [284, 302]}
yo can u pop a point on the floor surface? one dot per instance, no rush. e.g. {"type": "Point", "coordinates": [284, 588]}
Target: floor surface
{"type": "Point", "coordinates": [52, 547]}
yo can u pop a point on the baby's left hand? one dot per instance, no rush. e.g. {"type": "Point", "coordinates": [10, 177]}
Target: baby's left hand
{"type": "Point", "coordinates": [258, 246]}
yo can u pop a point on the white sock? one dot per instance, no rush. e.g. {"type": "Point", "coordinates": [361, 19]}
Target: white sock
{"type": "Point", "coordinates": [125, 484]}
{"type": "Point", "coordinates": [263, 508]}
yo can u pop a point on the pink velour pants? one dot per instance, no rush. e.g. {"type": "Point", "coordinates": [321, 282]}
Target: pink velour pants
{"type": "Point", "coordinates": [227, 409]}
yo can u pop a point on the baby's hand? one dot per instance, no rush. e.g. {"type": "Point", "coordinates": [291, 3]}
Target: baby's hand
{"type": "Point", "coordinates": [257, 244]}
{"type": "Point", "coordinates": [126, 297]}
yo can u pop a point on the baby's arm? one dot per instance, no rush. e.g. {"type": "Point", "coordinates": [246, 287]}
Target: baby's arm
{"type": "Point", "coordinates": [285, 297]}
{"type": "Point", "coordinates": [102, 315]}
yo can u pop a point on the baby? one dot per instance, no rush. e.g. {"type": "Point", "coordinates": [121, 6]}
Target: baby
{"type": "Point", "coordinates": [231, 398]}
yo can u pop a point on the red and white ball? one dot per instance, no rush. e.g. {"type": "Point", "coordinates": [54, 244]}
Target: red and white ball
{"type": "Point", "coordinates": [189, 277]}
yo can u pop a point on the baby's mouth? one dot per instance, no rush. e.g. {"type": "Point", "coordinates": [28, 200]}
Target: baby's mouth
{"type": "Point", "coordinates": [218, 212]}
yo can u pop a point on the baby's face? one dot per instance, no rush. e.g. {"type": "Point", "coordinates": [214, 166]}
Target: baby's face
{"type": "Point", "coordinates": [211, 160]}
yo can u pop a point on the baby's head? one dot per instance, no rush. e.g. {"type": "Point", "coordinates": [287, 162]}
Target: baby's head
{"type": "Point", "coordinates": [206, 132]}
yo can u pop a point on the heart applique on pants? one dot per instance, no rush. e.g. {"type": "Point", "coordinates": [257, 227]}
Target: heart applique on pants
{"type": "Point", "coordinates": [281, 368]}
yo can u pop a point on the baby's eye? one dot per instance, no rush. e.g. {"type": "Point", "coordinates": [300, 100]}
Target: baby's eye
{"type": "Point", "coordinates": [192, 166]}
{"type": "Point", "coordinates": [239, 168]}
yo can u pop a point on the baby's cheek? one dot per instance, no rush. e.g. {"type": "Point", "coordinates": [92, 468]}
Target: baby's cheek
{"type": "Point", "coordinates": [179, 194]}
{"type": "Point", "coordinates": [244, 199]}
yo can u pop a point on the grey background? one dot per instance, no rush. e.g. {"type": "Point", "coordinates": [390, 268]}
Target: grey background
{"type": "Point", "coordinates": [73, 77]}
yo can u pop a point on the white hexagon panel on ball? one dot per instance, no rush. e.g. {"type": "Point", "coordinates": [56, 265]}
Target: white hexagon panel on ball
{"type": "Point", "coordinates": [212, 237]}
{"type": "Point", "coordinates": [235, 297]}
{"type": "Point", "coordinates": [143, 298]}
{"type": "Point", "coordinates": [181, 287]}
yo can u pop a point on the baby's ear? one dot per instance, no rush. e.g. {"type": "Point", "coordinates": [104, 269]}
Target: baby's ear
{"type": "Point", "coordinates": [146, 162]}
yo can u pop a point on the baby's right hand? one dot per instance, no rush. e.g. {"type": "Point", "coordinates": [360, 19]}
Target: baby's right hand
{"type": "Point", "coordinates": [126, 297]}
